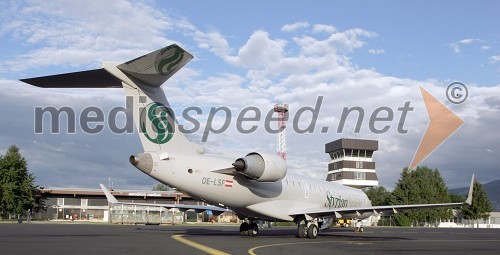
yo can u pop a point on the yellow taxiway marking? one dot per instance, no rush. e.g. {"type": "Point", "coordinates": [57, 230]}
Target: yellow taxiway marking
{"type": "Point", "coordinates": [198, 246]}
{"type": "Point", "coordinates": [252, 250]}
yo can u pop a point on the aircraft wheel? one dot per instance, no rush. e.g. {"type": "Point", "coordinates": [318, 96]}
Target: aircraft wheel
{"type": "Point", "coordinates": [302, 230]}
{"type": "Point", "coordinates": [312, 231]}
{"type": "Point", "coordinates": [244, 229]}
{"type": "Point", "coordinates": [253, 229]}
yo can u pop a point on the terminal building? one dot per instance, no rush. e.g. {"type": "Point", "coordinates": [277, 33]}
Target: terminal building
{"type": "Point", "coordinates": [352, 162]}
{"type": "Point", "coordinates": [91, 205]}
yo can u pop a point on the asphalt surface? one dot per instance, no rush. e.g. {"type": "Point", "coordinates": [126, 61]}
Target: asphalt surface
{"type": "Point", "coordinates": [218, 239]}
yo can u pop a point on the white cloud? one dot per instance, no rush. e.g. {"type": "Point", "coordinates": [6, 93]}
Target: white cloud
{"type": "Point", "coordinates": [82, 33]}
{"type": "Point", "coordinates": [467, 41]}
{"type": "Point", "coordinates": [494, 59]}
{"type": "Point", "coordinates": [322, 28]}
{"type": "Point", "coordinates": [259, 51]}
{"type": "Point", "coordinates": [344, 41]}
{"type": "Point", "coordinates": [295, 26]}
{"type": "Point", "coordinates": [209, 40]}
{"type": "Point", "coordinates": [456, 46]}
{"type": "Point", "coordinates": [213, 41]}
{"type": "Point", "coordinates": [376, 51]}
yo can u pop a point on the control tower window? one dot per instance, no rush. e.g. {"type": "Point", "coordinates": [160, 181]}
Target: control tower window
{"type": "Point", "coordinates": [369, 154]}
{"type": "Point", "coordinates": [359, 176]}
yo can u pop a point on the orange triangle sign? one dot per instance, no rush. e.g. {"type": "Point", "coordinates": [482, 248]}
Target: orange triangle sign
{"type": "Point", "coordinates": [443, 123]}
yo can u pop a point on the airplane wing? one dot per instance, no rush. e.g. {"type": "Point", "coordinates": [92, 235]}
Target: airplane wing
{"type": "Point", "coordinates": [357, 212]}
{"type": "Point", "coordinates": [183, 207]}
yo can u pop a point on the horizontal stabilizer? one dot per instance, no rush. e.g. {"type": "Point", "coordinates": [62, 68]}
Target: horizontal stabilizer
{"type": "Point", "coordinates": [155, 68]}
{"type": "Point", "coordinates": [152, 69]}
{"type": "Point", "coordinates": [97, 78]}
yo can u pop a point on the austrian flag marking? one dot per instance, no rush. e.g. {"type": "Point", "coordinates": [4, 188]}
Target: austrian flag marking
{"type": "Point", "coordinates": [228, 183]}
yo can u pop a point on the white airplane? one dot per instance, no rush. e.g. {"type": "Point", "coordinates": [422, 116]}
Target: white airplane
{"type": "Point", "coordinates": [256, 186]}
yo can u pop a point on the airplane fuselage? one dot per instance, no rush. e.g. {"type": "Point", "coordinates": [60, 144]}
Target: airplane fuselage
{"type": "Point", "coordinates": [250, 198]}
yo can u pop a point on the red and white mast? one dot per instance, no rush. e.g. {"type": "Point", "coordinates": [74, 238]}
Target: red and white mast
{"type": "Point", "coordinates": [281, 109]}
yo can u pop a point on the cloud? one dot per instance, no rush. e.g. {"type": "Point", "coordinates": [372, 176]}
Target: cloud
{"type": "Point", "coordinates": [310, 67]}
{"type": "Point", "coordinates": [259, 51]}
{"type": "Point", "coordinates": [467, 41]}
{"type": "Point", "coordinates": [376, 51]}
{"type": "Point", "coordinates": [494, 59]}
{"type": "Point", "coordinates": [212, 41]}
{"type": "Point", "coordinates": [344, 41]}
{"type": "Point", "coordinates": [456, 46]}
{"type": "Point", "coordinates": [322, 28]}
{"type": "Point", "coordinates": [294, 26]}
{"type": "Point", "coordinates": [81, 33]}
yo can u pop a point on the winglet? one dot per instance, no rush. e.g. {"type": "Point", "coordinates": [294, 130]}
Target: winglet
{"type": "Point", "coordinates": [109, 196]}
{"type": "Point", "coordinates": [471, 189]}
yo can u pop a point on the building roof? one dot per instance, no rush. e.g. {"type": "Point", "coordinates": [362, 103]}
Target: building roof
{"type": "Point", "coordinates": [349, 143]}
{"type": "Point", "coordinates": [74, 192]}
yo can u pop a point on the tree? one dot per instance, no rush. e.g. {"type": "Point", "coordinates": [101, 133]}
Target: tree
{"type": "Point", "coordinates": [378, 195]}
{"type": "Point", "coordinates": [161, 187]}
{"type": "Point", "coordinates": [481, 206]}
{"type": "Point", "coordinates": [420, 186]}
{"type": "Point", "coordinates": [454, 198]}
{"type": "Point", "coordinates": [17, 187]}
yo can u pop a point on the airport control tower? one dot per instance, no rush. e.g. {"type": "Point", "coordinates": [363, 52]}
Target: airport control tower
{"type": "Point", "coordinates": [352, 162]}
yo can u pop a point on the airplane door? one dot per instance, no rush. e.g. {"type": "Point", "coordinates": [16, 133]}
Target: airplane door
{"type": "Point", "coordinates": [306, 189]}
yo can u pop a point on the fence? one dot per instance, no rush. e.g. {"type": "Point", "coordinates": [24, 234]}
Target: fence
{"type": "Point", "coordinates": [133, 214]}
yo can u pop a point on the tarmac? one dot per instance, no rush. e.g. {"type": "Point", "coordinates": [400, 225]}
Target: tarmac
{"type": "Point", "coordinates": [109, 239]}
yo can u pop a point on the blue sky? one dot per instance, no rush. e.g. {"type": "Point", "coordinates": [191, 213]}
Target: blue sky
{"type": "Point", "coordinates": [354, 53]}
{"type": "Point", "coordinates": [417, 38]}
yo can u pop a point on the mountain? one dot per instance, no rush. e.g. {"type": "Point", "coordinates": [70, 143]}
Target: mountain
{"type": "Point", "coordinates": [492, 189]}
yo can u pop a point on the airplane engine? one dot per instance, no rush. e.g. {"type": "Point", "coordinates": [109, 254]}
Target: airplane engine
{"type": "Point", "coordinates": [261, 167]}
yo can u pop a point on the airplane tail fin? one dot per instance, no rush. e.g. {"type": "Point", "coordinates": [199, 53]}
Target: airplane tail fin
{"type": "Point", "coordinates": [141, 79]}
{"type": "Point", "coordinates": [154, 118]}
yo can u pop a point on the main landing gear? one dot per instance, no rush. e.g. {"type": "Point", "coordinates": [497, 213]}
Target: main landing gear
{"type": "Point", "coordinates": [308, 229]}
{"type": "Point", "coordinates": [249, 229]}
